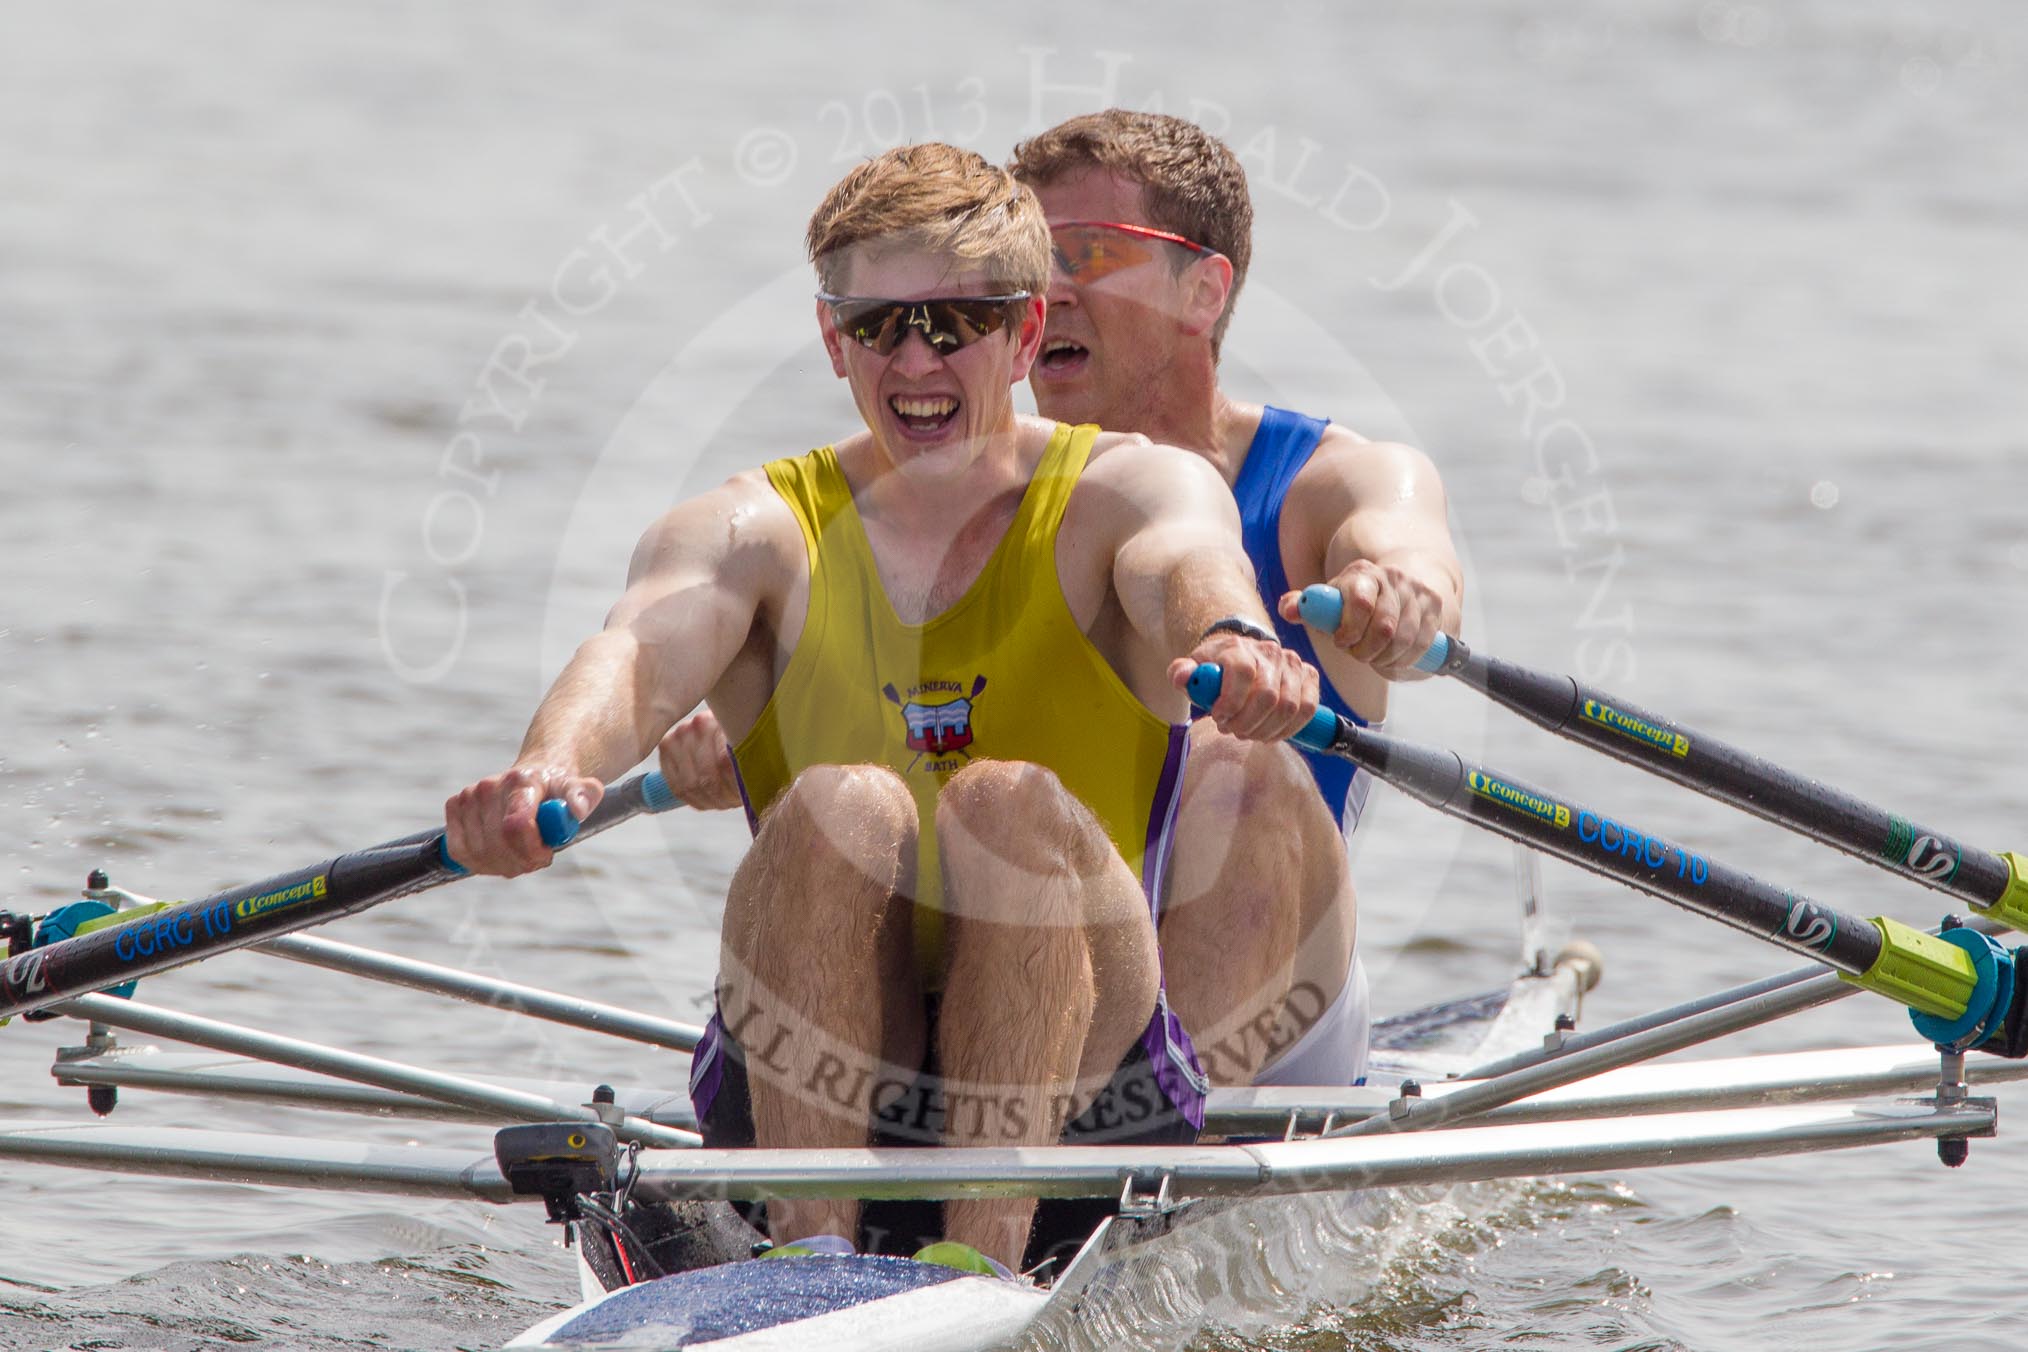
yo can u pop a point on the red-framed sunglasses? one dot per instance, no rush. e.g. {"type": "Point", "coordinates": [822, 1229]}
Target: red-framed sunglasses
{"type": "Point", "coordinates": [1090, 250]}
{"type": "Point", "coordinates": [946, 323]}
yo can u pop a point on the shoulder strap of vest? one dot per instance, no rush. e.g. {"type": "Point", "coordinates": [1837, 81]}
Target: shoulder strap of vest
{"type": "Point", "coordinates": [1281, 447]}
{"type": "Point", "coordinates": [1056, 476]}
{"type": "Point", "coordinates": [816, 490]}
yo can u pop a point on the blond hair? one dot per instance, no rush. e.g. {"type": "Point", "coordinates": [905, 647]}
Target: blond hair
{"type": "Point", "coordinates": [933, 198]}
{"type": "Point", "coordinates": [1191, 183]}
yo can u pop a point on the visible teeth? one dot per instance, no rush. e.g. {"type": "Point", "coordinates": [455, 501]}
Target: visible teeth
{"type": "Point", "coordinates": [925, 408]}
{"type": "Point", "coordinates": [1056, 345]}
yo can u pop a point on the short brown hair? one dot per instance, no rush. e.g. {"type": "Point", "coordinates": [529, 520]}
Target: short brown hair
{"type": "Point", "coordinates": [1191, 182]}
{"type": "Point", "coordinates": [933, 198]}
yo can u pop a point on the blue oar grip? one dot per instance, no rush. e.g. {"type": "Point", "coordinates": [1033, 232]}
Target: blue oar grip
{"type": "Point", "coordinates": [552, 821]}
{"type": "Point", "coordinates": [655, 794]}
{"type": "Point", "coordinates": [1318, 734]}
{"type": "Point", "coordinates": [1438, 654]}
{"type": "Point", "coordinates": [557, 827]}
{"type": "Point", "coordinates": [1322, 607]}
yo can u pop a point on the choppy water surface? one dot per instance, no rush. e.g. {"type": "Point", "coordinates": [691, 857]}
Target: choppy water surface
{"type": "Point", "coordinates": [342, 364]}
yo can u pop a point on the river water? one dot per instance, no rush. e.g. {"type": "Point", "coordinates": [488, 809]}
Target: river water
{"type": "Point", "coordinates": [347, 349]}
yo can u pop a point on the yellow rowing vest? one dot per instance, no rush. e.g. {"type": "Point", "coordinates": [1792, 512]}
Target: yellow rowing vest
{"type": "Point", "coordinates": [1004, 674]}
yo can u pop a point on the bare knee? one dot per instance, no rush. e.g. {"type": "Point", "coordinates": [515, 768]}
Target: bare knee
{"type": "Point", "coordinates": [1017, 815]}
{"type": "Point", "coordinates": [1238, 777]}
{"type": "Point", "coordinates": [1019, 847]}
{"type": "Point", "coordinates": [869, 799]}
{"type": "Point", "coordinates": [832, 851]}
{"type": "Point", "coordinates": [856, 817]}
{"type": "Point", "coordinates": [1245, 899]}
{"type": "Point", "coordinates": [986, 789]}
{"type": "Point", "coordinates": [1250, 818]}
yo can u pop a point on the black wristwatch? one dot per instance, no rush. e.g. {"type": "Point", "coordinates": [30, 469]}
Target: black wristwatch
{"type": "Point", "coordinates": [1233, 624]}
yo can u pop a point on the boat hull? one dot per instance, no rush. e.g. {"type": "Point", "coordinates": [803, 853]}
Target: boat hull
{"type": "Point", "coordinates": [843, 1303]}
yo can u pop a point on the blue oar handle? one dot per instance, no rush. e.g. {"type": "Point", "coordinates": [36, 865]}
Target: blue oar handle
{"type": "Point", "coordinates": [1322, 607]}
{"type": "Point", "coordinates": [552, 820]}
{"type": "Point", "coordinates": [558, 828]}
{"type": "Point", "coordinates": [656, 796]}
{"type": "Point", "coordinates": [555, 824]}
{"type": "Point", "coordinates": [1318, 734]}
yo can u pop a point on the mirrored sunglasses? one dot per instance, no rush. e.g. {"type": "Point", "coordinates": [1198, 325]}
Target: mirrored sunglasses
{"type": "Point", "coordinates": [947, 323]}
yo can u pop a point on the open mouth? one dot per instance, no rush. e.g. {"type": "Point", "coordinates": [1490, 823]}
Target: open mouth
{"type": "Point", "coordinates": [1061, 356]}
{"type": "Point", "coordinates": [924, 415]}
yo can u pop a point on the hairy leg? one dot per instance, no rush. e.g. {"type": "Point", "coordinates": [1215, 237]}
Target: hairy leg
{"type": "Point", "coordinates": [1050, 972]}
{"type": "Point", "coordinates": [1258, 919]}
{"type": "Point", "coordinates": [817, 981]}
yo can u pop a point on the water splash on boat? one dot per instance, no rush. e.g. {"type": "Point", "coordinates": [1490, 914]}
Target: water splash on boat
{"type": "Point", "coordinates": [1253, 1268]}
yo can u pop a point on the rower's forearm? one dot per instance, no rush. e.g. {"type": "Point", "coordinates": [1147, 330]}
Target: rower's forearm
{"type": "Point", "coordinates": [1204, 588]}
{"type": "Point", "coordinates": [593, 721]}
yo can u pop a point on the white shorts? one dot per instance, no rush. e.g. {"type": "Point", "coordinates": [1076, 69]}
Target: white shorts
{"type": "Point", "coordinates": [1331, 1051]}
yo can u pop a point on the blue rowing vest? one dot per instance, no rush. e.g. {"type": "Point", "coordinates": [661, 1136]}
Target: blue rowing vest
{"type": "Point", "coordinates": [1281, 447]}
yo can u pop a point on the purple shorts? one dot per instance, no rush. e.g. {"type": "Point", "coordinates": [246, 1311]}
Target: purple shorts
{"type": "Point", "coordinates": [1156, 1097]}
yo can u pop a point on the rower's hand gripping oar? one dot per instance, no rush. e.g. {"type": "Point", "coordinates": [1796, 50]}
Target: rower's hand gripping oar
{"type": "Point", "coordinates": [1961, 988]}
{"type": "Point", "coordinates": [87, 946]}
{"type": "Point", "coordinates": [553, 822]}
{"type": "Point", "coordinates": [1995, 885]}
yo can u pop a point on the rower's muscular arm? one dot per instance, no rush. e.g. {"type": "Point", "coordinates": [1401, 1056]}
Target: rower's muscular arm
{"type": "Point", "coordinates": [1372, 518]}
{"type": "Point", "coordinates": [698, 580]}
{"type": "Point", "coordinates": [1178, 568]}
{"type": "Point", "coordinates": [684, 615]}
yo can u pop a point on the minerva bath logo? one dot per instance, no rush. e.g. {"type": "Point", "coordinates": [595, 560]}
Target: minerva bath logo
{"type": "Point", "coordinates": [938, 718]}
{"type": "Point", "coordinates": [1520, 800]}
{"type": "Point", "coordinates": [1636, 729]}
